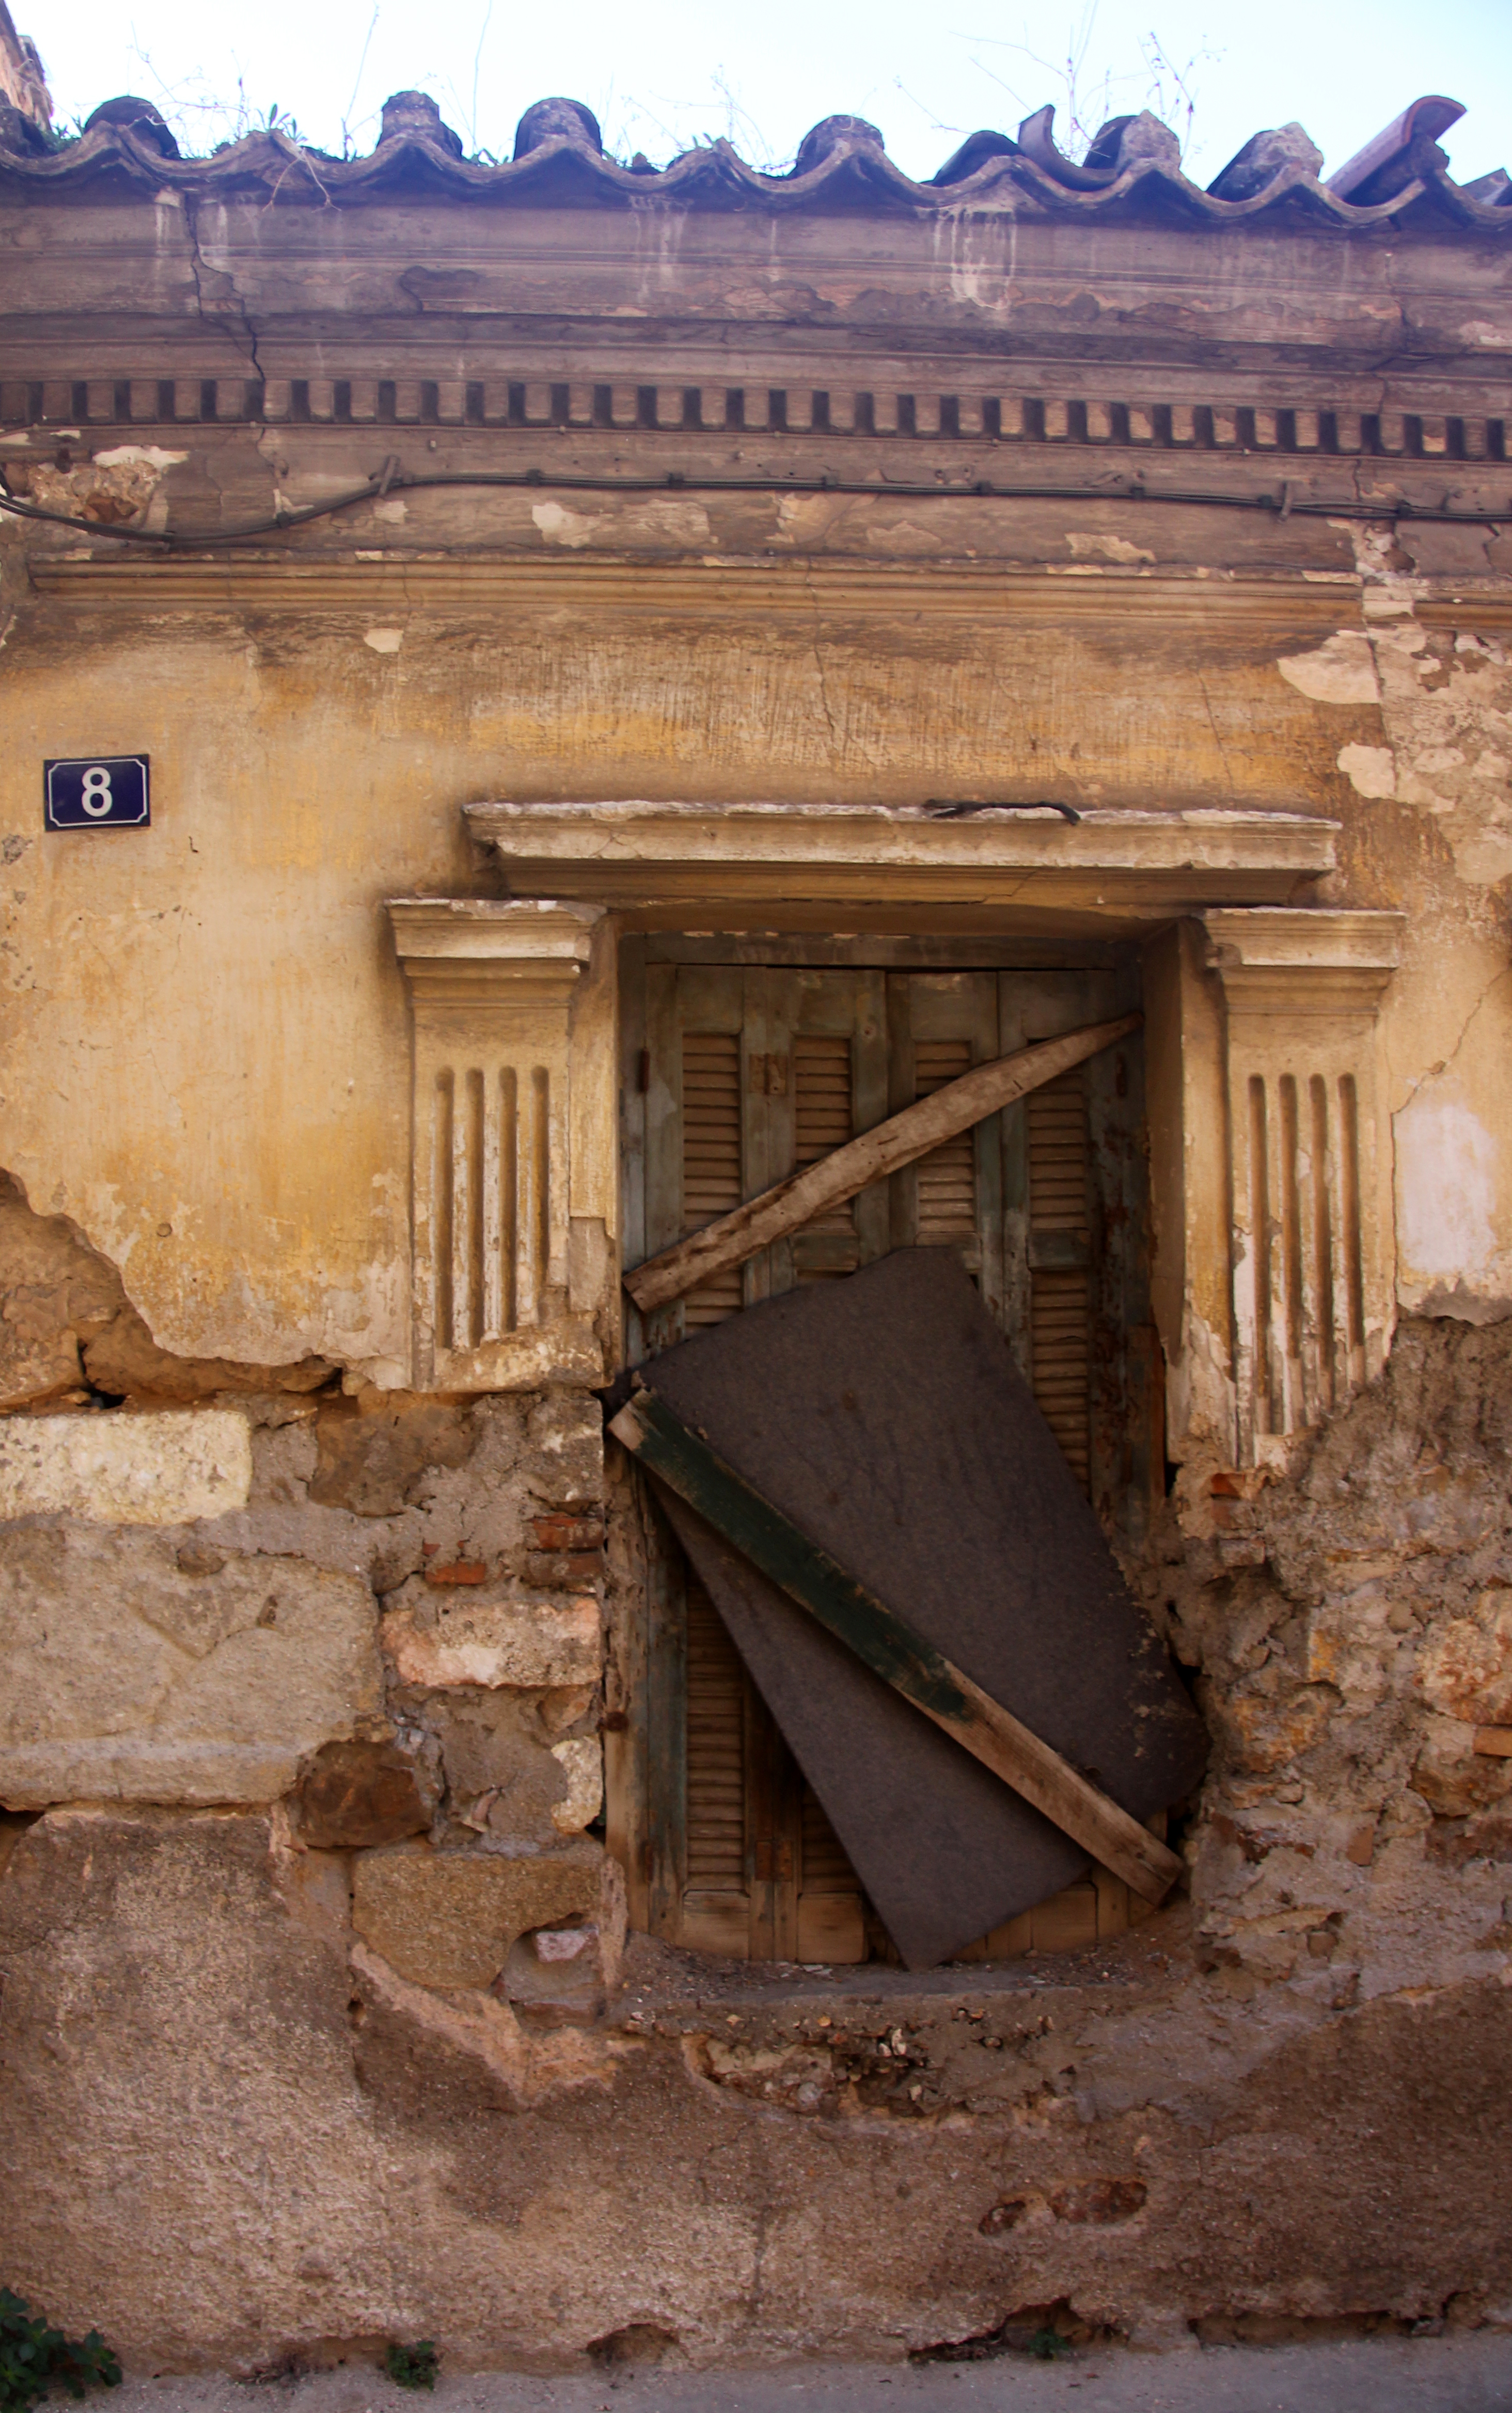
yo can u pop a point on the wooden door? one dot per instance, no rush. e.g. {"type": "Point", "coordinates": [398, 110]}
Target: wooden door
{"type": "Point", "coordinates": [747, 1073]}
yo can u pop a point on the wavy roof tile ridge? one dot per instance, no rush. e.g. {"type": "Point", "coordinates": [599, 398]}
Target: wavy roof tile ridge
{"type": "Point", "coordinates": [566, 168]}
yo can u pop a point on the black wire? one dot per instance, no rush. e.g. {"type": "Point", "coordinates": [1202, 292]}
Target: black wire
{"type": "Point", "coordinates": [941, 811]}
{"type": "Point", "coordinates": [1286, 505]}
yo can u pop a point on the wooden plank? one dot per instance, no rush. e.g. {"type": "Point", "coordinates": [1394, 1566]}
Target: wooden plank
{"type": "Point", "coordinates": [716, 1922]}
{"type": "Point", "coordinates": [1067, 1922]}
{"type": "Point", "coordinates": [832, 1926]}
{"type": "Point", "coordinates": [906, 1136]}
{"type": "Point", "coordinates": [886, 1644]}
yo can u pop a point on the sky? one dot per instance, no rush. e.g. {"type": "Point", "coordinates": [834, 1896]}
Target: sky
{"type": "Point", "coordinates": [665, 74]}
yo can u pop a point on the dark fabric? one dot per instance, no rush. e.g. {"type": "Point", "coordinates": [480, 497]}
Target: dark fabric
{"type": "Point", "coordinates": [884, 1415]}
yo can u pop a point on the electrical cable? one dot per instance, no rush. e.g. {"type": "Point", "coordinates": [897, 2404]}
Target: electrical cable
{"type": "Point", "coordinates": [390, 481]}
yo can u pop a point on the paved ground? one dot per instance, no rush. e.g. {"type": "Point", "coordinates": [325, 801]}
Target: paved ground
{"type": "Point", "coordinates": [1459, 2374]}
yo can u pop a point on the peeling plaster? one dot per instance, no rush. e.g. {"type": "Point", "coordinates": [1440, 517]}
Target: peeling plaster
{"type": "Point", "coordinates": [1340, 671]}
{"type": "Point", "coordinates": [1112, 548]}
{"type": "Point", "coordinates": [559, 526]}
{"type": "Point", "coordinates": [1445, 1186]}
{"type": "Point", "coordinates": [1371, 770]}
{"type": "Point", "coordinates": [147, 456]}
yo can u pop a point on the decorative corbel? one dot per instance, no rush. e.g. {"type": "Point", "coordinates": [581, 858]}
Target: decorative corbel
{"type": "Point", "coordinates": [510, 1288]}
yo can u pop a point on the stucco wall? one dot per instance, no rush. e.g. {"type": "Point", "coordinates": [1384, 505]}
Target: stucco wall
{"type": "Point", "coordinates": [214, 1029]}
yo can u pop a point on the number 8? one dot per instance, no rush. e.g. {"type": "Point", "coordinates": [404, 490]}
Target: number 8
{"type": "Point", "coordinates": [97, 799]}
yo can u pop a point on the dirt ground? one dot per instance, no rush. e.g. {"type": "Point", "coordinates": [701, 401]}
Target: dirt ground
{"type": "Point", "coordinates": [1468, 2373]}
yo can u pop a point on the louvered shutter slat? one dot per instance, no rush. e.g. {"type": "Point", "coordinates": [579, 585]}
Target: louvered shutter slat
{"type": "Point", "coordinates": [947, 1176]}
{"type": "Point", "coordinates": [821, 1113]}
{"type": "Point", "coordinates": [1061, 1296]}
{"type": "Point", "coordinates": [716, 1750]}
{"type": "Point", "coordinates": [711, 1183]}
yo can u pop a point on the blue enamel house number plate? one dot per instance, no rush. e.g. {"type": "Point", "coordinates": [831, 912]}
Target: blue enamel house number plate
{"type": "Point", "coordinates": [108, 791]}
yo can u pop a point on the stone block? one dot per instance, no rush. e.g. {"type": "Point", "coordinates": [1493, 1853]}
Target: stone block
{"type": "Point", "coordinates": [358, 1795]}
{"type": "Point", "coordinates": [460, 1640]}
{"type": "Point", "coordinates": [373, 1454]}
{"type": "Point", "coordinates": [500, 1777]}
{"type": "Point", "coordinates": [582, 1757]}
{"type": "Point", "coordinates": [560, 1969]}
{"type": "Point", "coordinates": [168, 1467]}
{"type": "Point", "coordinates": [447, 1919]}
{"type": "Point", "coordinates": [130, 1677]}
{"type": "Point", "coordinates": [1464, 1668]}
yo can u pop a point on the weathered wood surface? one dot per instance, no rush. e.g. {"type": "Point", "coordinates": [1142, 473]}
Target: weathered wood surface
{"type": "Point", "coordinates": [888, 1645]}
{"type": "Point", "coordinates": [899, 1141]}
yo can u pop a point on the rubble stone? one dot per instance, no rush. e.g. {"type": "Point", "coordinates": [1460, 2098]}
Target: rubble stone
{"type": "Point", "coordinates": [374, 1453]}
{"type": "Point", "coordinates": [447, 1920]}
{"type": "Point", "coordinates": [465, 1640]}
{"type": "Point", "coordinates": [358, 1795]}
{"type": "Point", "coordinates": [583, 1760]}
{"type": "Point", "coordinates": [501, 1779]}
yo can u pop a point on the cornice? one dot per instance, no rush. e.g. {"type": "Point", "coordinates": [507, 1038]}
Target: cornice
{"type": "Point", "coordinates": [1446, 411]}
{"type": "Point", "coordinates": [786, 864]}
{"type": "Point", "coordinates": [809, 588]}
{"type": "Point", "coordinates": [471, 952]}
{"type": "Point", "coordinates": [487, 929]}
{"type": "Point", "coordinates": [1303, 961]}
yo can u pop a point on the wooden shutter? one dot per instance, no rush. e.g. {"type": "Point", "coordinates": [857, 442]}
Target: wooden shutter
{"type": "Point", "coordinates": [756, 1070]}
{"type": "Point", "coordinates": [1059, 1263]}
{"type": "Point", "coordinates": [766, 1876]}
{"type": "Point", "coordinates": [832, 1025]}
{"type": "Point", "coordinates": [940, 1025]}
{"type": "Point", "coordinates": [776, 1070]}
{"type": "Point", "coordinates": [711, 1158]}
{"type": "Point", "coordinates": [715, 1907]}
{"type": "Point", "coordinates": [824, 1119]}
{"type": "Point", "coordinates": [946, 1178]}
{"type": "Point", "coordinates": [832, 1908]}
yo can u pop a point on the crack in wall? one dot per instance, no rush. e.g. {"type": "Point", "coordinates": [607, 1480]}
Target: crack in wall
{"type": "Point", "coordinates": [1446, 1063]}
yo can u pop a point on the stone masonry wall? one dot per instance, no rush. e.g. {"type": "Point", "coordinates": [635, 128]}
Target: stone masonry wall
{"type": "Point", "coordinates": [312, 2028]}
{"type": "Point", "coordinates": [381, 1609]}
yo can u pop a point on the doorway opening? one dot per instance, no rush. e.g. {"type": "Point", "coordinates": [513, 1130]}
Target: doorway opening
{"type": "Point", "coordinates": [745, 1060]}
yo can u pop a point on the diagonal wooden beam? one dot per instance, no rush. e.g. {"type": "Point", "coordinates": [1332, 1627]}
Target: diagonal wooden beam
{"type": "Point", "coordinates": [899, 1141]}
{"type": "Point", "coordinates": [890, 1647]}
